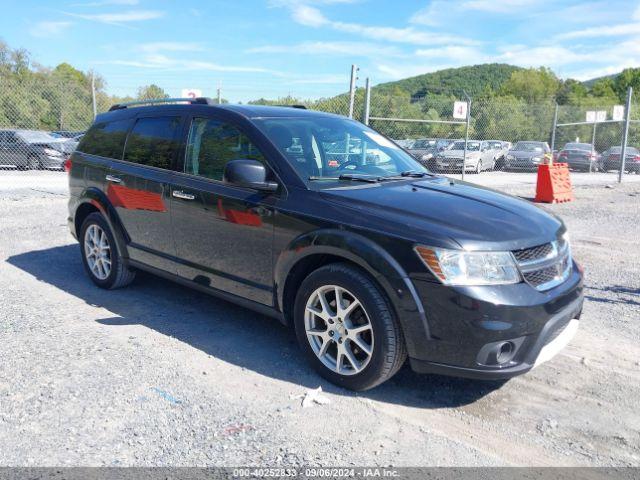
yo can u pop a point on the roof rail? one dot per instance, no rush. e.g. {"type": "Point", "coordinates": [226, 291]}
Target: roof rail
{"type": "Point", "coordinates": [156, 101]}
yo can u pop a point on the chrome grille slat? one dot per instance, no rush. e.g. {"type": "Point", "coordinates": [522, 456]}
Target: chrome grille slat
{"type": "Point", "coordinates": [544, 266]}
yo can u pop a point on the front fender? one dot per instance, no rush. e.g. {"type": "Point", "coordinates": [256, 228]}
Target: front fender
{"type": "Point", "coordinates": [372, 258]}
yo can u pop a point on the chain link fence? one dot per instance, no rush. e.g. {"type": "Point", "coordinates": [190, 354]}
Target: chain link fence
{"type": "Point", "coordinates": [42, 121]}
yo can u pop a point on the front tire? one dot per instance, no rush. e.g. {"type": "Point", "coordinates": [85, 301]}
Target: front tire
{"type": "Point", "coordinates": [347, 329]}
{"type": "Point", "coordinates": [100, 256]}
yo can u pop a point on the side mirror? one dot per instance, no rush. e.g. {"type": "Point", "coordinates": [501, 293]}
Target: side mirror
{"type": "Point", "coordinates": [248, 174]}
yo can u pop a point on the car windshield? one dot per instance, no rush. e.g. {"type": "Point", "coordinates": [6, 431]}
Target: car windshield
{"type": "Point", "coordinates": [528, 147]}
{"type": "Point", "coordinates": [495, 145]}
{"type": "Point", "coordinates": [424, 144]}
{"type": "Point", "coordinates": [471, 146]}
{"type": "Point", "coordinates": [578, 146]}
{"type": "Point", "coordinates": [327, 148]}
{"type": "Point", "coordinates": [35, 136]}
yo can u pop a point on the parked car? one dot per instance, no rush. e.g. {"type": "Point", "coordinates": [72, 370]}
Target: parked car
{"type": "Point", "coordinates": [610, 159]}
{"type": "Point", "coordinates": [370, 263]}
{"type": "Point", "coordinates": [31, 150]}
{"type": "Point", "coordinates": [500, 152]}
{"type": "Point", "coordinates": [580, 156]}
{"type": "Point", "coordinates": [425, 150]}
{"type": "Point", "coordinates": [479, 157]}
{"type": "Point", "coordinates": [406, 143]}
{"type": "Point", "coordinates": [527, 155]}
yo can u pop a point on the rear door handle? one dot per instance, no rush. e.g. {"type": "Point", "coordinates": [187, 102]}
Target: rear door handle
{"type": "Point", "coordinates": [111, 178]}
{"type": "Point", "coordinates": [182, 195]}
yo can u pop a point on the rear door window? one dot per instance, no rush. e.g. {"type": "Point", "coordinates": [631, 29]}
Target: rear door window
{"type": "Point", "coordinates": [154, 141]}
{"type": "Point", "coordinates": [106, 139]}
{"type": "Point", "coordinates": [212, 143]}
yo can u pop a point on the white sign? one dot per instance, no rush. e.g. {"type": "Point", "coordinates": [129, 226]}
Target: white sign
{"type": "Point", "coordinates": [618, 113]}
{"type": "Point", "coordinates": [191, 93]}
{"type": "Point", "coordinates": [601, 116]}
{"type": "Point", "coordinates": [460, 110]}
{"type": "Point", "coordinates": [591, 116]}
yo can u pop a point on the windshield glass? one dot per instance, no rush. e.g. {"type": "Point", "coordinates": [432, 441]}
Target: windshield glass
{"type": "Point", "coordinates": [424, 144]}
{"type": "Point", "coordinates": [35, 136]}
{"type": "Point", "coordinates": [495, 145]}
{"type": "Point", "coordinates": [471, 146]}
{"type": "Point", "coordinates": [577, 146]}
{"type": "Point", "coordinates": [528, 147]}
{"type": "Point", "coordinates": [330, 147]}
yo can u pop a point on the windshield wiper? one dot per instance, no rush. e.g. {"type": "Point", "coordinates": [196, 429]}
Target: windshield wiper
{"type": "Point", "coordinates": [349, 177]}
{"type": "Point", "coordinates": [407, 174]}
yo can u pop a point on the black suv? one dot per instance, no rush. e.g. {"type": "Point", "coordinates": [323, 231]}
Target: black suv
{"type": "Point", "coordinates": [371, 261]}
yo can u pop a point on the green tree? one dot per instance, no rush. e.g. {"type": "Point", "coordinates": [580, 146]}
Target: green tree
{"type": "Point", "coordinates": [629, 77]}
{"type": "Point", "coordinates": [150, 92]}
{"type": "Point", "coordinates": [532, 85]}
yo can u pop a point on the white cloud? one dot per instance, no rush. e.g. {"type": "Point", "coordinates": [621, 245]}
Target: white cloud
{"type": "Point", "coordinates": [455, 53]}
{"type": "Point", "coordinates": [154, 47]}
{"type": "Point", "coordinates": [349, 49]}
{"type": "Point", "coordinates": [312, 17]}
{"type": "Point", "coordinates": [309, 16]}
{"type": "Point", "coordinates": [49, 29]}
{"type": "Point", "coordinates": [603, 31]}
{"type": "Point", "coordinates": [105, 3]}
{"type": "Point", "coordinates": [119, 18]}
{"type": "Point", "coordinates": [162, 62]}
{"type": "Point", "coordinates": [500, 6]}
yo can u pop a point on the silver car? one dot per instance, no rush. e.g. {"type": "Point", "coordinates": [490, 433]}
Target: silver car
{"type": "Point", "coordinates": [527, 155]}
{"type": "Point", "coordinates": [480, 157]}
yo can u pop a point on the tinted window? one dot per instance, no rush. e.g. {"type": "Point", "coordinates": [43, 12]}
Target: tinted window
{"type": "Point", "coordinates": [212, 144]}
{"type": "Point", "coordinates": [153, 141]}
{"type": "Point", "coordinates": [106, 139]}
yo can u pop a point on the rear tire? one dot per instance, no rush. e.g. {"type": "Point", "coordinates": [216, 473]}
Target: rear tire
{"type": "Point", "coordinates": [100, 256]}
{"type": "Point", "coordinates": [357, 346]}
{"type": "Point", "coordinates": [33, 163]}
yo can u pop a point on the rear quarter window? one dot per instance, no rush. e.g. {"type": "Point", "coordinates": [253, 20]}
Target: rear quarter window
{"type": "Point", "coordinates": [106, 139]}
{"type": "Point", "coordinates": [153, 141]}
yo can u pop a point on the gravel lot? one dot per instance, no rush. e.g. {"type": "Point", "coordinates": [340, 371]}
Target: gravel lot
{"type": "Point", "coordinates": [159, 375]}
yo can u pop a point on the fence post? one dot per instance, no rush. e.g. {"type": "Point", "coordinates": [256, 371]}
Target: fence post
{"type": "Point", "coordinates": [553, 131]}
{"type": "Point", "coordinates": [93, 94]}
{"type": "Point", "coordinates": [625, 133]}
{"type": "Point", "coordinates": [352, 89]}
{"type": "Point", "coordinates": [466, 136]}
{"type": "Point", "coordinates": [367, 101]}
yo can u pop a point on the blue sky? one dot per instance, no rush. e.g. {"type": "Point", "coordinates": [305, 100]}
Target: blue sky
{"type": "Point", "coordinates": [305, 48]}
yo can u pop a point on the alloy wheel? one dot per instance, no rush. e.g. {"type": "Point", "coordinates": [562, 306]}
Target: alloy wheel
{"type": "Point", "coordinates": [97, 251]}
{"type": "Point", "coordinates": [339, 330]}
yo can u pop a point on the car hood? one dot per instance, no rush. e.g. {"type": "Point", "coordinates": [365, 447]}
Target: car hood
{"type": "Point", "coordinates": [459, 153]}
{"type": "Point", "coordinates": [443, 212]}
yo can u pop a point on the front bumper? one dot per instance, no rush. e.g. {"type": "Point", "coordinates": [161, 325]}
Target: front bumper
{"type": "Point", "coordinates": [465, 322]}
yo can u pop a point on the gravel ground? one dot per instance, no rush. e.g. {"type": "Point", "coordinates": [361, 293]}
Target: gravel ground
{"type": "Point", "coordinates": [159, 375]}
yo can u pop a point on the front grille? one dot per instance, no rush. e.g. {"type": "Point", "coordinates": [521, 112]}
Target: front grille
{"type": "Point", "coordinates": [533, 253]}
{"type": "Point", "coordinates": [544, 266]}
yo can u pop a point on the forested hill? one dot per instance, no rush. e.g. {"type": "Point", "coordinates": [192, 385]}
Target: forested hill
{"type": "Point", "coordinates": [475, 80]}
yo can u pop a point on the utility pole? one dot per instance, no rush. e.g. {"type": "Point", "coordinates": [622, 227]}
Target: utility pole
{"type": "Point", "coordinates": [367, 101]}
{"type": "Point", "coordinates": [466, 134]}
{"type": "Point", "coordinates": [93, 94]}
{"type": "Point", "coordinates": [352, 89]}
{"type": "Point", "coordinates": [625, 133]}
{"type": "Point", "coordinates": [553, 131]}
{"type": "Point", "coordinates": [219, 93]}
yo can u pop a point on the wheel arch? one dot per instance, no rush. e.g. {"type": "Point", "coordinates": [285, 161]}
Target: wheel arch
{"type": "Point", "coordinates": [92, 200]}
{"type": "Point", "coordinates": [312, 250]}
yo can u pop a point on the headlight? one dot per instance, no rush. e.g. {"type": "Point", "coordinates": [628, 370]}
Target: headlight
{"type": "Point", "coordinates": [52, 153]}
{"type": "Point", "coordinates": [459, 267]}
{"type": "Point", "coordinates": [536, 159]}
{"type": "Point", "coordinates": [510, 157]}
{"type": "Point", "coordinates": [426, 156]}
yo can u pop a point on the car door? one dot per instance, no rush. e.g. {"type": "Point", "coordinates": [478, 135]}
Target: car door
{"type": "Point", "coordinates": [223, 232]}
{"type": "Point", "coordinates": [5, 159]}
{"type": "Point", "coordinates": [487, 154]}
{"type": "Point", "coordinates": [138, 186]}
{"type": "Point", "coordinates": [14, 153]}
